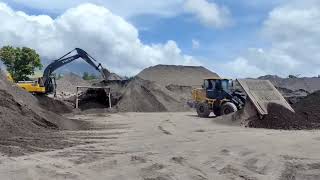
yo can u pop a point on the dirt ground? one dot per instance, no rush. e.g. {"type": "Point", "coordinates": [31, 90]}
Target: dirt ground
{"type": "Point", "coordinates": [177, 146]}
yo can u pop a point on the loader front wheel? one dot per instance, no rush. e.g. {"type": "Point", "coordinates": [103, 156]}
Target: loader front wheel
{"type": "Point", "coordinates": [203, 110]}
{"type": "Point", "coordinates": [228, 108]}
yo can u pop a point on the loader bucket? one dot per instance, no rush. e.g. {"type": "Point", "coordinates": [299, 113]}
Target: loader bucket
{"type": "Point", "coordinates": [261, 93]}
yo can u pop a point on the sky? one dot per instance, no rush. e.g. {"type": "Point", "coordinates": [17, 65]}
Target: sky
{"type": "Point", "coordinates": [236, 39]}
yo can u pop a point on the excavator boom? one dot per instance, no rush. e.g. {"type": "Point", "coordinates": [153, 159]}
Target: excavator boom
{"type": "Point", "coordinates": [49, 82]}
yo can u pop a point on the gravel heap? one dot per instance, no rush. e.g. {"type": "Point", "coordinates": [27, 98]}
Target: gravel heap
{"type": "Point", "coordinates": [25, 126]}
{"type": "Point", "coordinates": [176, 75]}
{"type": "Point", "coordinates": [280, 117]}
{"type": "Point", "coordinates": [68, 83]}
{"type": "Point", "coordinates": [306, 116]}
{"type": "Point", "coordinates": [309, 107]}
{"type": "Point", "coordinates": [146, 96]}
{"type": "Point", "coordinates": [307, 84]}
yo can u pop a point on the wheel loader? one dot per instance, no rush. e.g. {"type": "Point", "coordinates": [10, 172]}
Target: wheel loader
{"type": "Point", "coordinates": [225, 96]}
{"type": "Point", "coordinates": [219, 96]}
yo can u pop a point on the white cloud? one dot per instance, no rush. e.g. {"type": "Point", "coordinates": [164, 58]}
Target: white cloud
{"type": "Point", "coordinates": [209, 14]}
{"type": "Point", "coordinates": [292, 30]}
{"type": "Point", "coordinates": [240, 68]}
{"type": "Point", "coordinates": [107, 37]}
{"type": "Point", "coordinates": [195, 44]}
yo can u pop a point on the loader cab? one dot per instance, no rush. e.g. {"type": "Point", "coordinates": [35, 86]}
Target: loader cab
{"type": "Point", "coordinates": [216, 88]}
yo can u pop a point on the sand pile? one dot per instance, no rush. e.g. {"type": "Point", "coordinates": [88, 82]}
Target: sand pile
{"type": "Point", "coordinates": [25, 126]}
{"type": "Point", "coordinates": [178, 79]}
{"type": "Point", "coordinates": [54, 105]}
{"type": "Point", "coordinates": [309, 107]}
{"type": "Point", "coordinates": [176, 75]}
{"type": "Point", "coordinates": [146, 96]}
{"type": "Point", "coordinates": [17, 119]}
{"type": "Point", "coordinates": [182, 91]}
{"type": "Point", "coordinates": [68, 83]}
{"type": "Point", "coordinates": [282, 118]}
{"type": "Point", "coordinates": [306, 116]}
{"type": "Point", "coordinates": [309, 84]}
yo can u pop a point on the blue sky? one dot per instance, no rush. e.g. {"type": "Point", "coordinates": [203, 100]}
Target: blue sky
{"type": "Point", "coordinates": [231, 37]}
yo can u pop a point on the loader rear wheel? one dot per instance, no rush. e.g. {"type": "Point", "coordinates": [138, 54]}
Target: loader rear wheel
{"type": "Point", "coordinates": [228, 108]}
{"type": "Point", "coordinates": [203, 110]}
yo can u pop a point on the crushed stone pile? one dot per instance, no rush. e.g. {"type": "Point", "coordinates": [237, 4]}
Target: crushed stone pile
{"type": "Point", "coordinates": [145, 96]}
{"type": "Point", "coordinates": [183, 91]}
{"type": "Point", "coordinates": [25, 126]}
{"type": "Point", "coordinates": [306, 116]}
{"type": "Point", "coordinates": [54, 105]}
{"type": "Point", "coordinates": [68, 83]}
{"type": "Point", "coordinates": [282, 118]}
{"type": "Point", "coordinates": [308, 84]}
{"type": "Point", "coordinates": [176, 75]}
{"type": "Point", "coordinates": [178, 79]}
{"type": "Point", "coordinates": [309, 107]}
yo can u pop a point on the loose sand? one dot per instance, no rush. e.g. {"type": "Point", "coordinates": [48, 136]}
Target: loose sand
{"type": "Point", "coordinates": [310, 84]}
{"type": "Point", "coordinates": [25, 126]}
{"type": "Point", "coordinates": [66, 86]}
{"type": "Point", "coordinates": [177, 146]}
{"type": "Point", "coordinates": [145, 96]}
{"type": "Point", "coordinates": [177, 75]}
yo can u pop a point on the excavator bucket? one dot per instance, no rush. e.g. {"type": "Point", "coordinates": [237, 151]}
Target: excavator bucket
{"type": "Point", "coordinates": [261, 93]}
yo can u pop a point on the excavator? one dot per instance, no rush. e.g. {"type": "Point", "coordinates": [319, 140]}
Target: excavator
{"type": "Point", "coordinates": [47, 83]}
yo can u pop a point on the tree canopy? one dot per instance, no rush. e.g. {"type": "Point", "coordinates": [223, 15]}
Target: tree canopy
{"type": "Point", "coordinates": [20, 62]}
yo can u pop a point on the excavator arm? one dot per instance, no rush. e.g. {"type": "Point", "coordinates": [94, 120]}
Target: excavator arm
{"type": "Point", "coordinates": [48, 80]}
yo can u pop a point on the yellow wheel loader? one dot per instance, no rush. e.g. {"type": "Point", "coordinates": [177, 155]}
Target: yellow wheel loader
{"type": "Point", "coordinates": [225, 96]}
{"type": "Point", "coordinates": [217, 95]}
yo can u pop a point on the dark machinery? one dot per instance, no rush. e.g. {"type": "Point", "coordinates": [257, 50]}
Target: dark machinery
{"type": "Point", "coordinates": [217, 96]}
{"type": "Point", "coordinates": [48, 81]}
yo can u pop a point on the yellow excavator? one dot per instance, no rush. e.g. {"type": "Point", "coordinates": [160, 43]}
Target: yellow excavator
{"type": "Point", "coordinates": [47, 83]}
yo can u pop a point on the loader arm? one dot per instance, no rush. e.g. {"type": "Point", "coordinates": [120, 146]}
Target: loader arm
{"type": "Point", "coordinates": [49, 83]}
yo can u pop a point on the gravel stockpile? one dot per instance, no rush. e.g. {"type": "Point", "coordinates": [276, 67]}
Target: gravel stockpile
{"type": "Point", "coordinates": [306, 116]}
{"type": "Point", "coordinates": [146, 96]}
{"type": "Point", "coordinates": [309, 107]}
{"type": "Point", "coordinates": [309, 84]}
{"type": "Point", "coordinates": [176, 75]}
{"type": "Point", "coordinates": [183, 91]}
{"type": "Point", "coordinates": [54, 105]}
{"type": "Point", "coordinates": [282, 118]}
{"type": "Point", "coordinates": [68, 83]}
{"type": "Point", "coordinates": [25, 126]}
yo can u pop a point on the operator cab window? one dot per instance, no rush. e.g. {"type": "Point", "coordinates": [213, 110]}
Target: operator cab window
{"type": "Point", "coordinates": [225, 85]}
{"type": "Point", "coordinates": [213, 84]}
{"type": "Point", "coordinates": [206, 84]}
